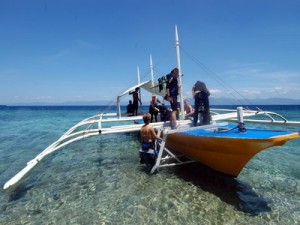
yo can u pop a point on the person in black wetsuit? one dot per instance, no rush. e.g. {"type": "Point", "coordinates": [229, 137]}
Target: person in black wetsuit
{"type": "Point", "coordinates": [130, 110]}
{"type": "Point", "coordinates": [154, 108]}
{"type": "Point", "coordinates": [201, 94]}
{"type": "Point", "coordinates": [172, 93]}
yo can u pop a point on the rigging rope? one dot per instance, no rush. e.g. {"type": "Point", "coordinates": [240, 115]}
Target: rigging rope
{"type": "Point", "coordinates": [216, 77]}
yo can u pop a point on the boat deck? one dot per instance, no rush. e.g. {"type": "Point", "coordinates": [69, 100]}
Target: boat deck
{"type": "Point", "coordinates": [233, 132]}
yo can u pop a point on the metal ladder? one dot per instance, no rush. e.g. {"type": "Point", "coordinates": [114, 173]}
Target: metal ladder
{"type": "Point", "coordinates": [165, 154]}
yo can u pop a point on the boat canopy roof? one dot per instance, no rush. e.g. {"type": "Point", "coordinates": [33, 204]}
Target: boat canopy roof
{"type": "Point", "coordinates": [149, 86]}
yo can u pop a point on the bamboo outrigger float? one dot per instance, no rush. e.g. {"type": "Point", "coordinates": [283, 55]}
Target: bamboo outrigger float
{"type": "Point", "coordinates": [221, 146]}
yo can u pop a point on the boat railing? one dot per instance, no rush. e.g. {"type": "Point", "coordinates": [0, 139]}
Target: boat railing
{"type": "Point", "coordinates": [270, 117]}
{"type": "Point", "coordinates": [268, 114]}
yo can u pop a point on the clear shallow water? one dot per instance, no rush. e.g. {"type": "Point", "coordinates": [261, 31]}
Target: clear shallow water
{"type": "Point", "coordinates": [100, 181]}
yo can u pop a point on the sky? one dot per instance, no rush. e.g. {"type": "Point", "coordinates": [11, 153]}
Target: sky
{"type": "Point", "coordinates": [56, 51]}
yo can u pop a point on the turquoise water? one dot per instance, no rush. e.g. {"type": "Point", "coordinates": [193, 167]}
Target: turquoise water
{"type": "Point", "coordinates": [100, 181]}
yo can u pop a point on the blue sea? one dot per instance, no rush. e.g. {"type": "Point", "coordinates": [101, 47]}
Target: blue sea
{"type": "Point", "coordinates": [99, 180]}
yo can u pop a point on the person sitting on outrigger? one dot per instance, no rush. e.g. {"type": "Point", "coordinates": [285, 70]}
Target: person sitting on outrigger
{"type": "Point", "coordinates": [148, 137]}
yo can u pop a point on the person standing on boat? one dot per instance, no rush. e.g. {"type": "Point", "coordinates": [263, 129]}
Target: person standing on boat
{"type": "Point", "coordinates": [136, 99]}
{"type": "Point", "coordinates": [172, 92]}
{"type": "Point", "coordinates": [189, 111]}
{"type": "Point", "coordinates": [153, 108]}
{"type": "Point", "coordinates": [148, 136]}
{"type": "Point", "coordinates": [201, 94]}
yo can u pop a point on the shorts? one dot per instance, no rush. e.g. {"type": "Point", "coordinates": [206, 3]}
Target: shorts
{"type": "Point", "coordinates": [135, 105]}
{"type": "Point", "coordinates": [174, 103]}
{"type": "Point", "coordinates": [147, 145]}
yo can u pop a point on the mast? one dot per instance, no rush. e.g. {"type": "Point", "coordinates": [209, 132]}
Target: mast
{"type": "Point", "coordinates": [119, 107]}
{"type": "Point", "coordinates": [138, 74]}
{"type": "Point", "coordinates": [179, 69]}
{"type": "Point", "coordinates": [139, 81]}
{"type": "Point", "coordinates": [151, 70]}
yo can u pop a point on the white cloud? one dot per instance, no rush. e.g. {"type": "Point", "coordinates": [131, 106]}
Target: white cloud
{"type": "Point", "coordinates": [261, 80]}
{"type": "Point", "coordinates": [251, 92]}
{"type": "Point", "coordinates": [215, 91]}
{"type": "Point", "coordinates": [42, 97]}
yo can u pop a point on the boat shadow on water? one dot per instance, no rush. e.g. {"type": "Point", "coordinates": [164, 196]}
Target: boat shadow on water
{"type": "Point", "coordinates": [18, 192]}
{"type": "Point", "coordinates": [227, 188]}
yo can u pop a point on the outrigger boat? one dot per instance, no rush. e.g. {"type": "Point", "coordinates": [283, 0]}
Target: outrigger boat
{"type": "Point", "coordinates": [222, 146]}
